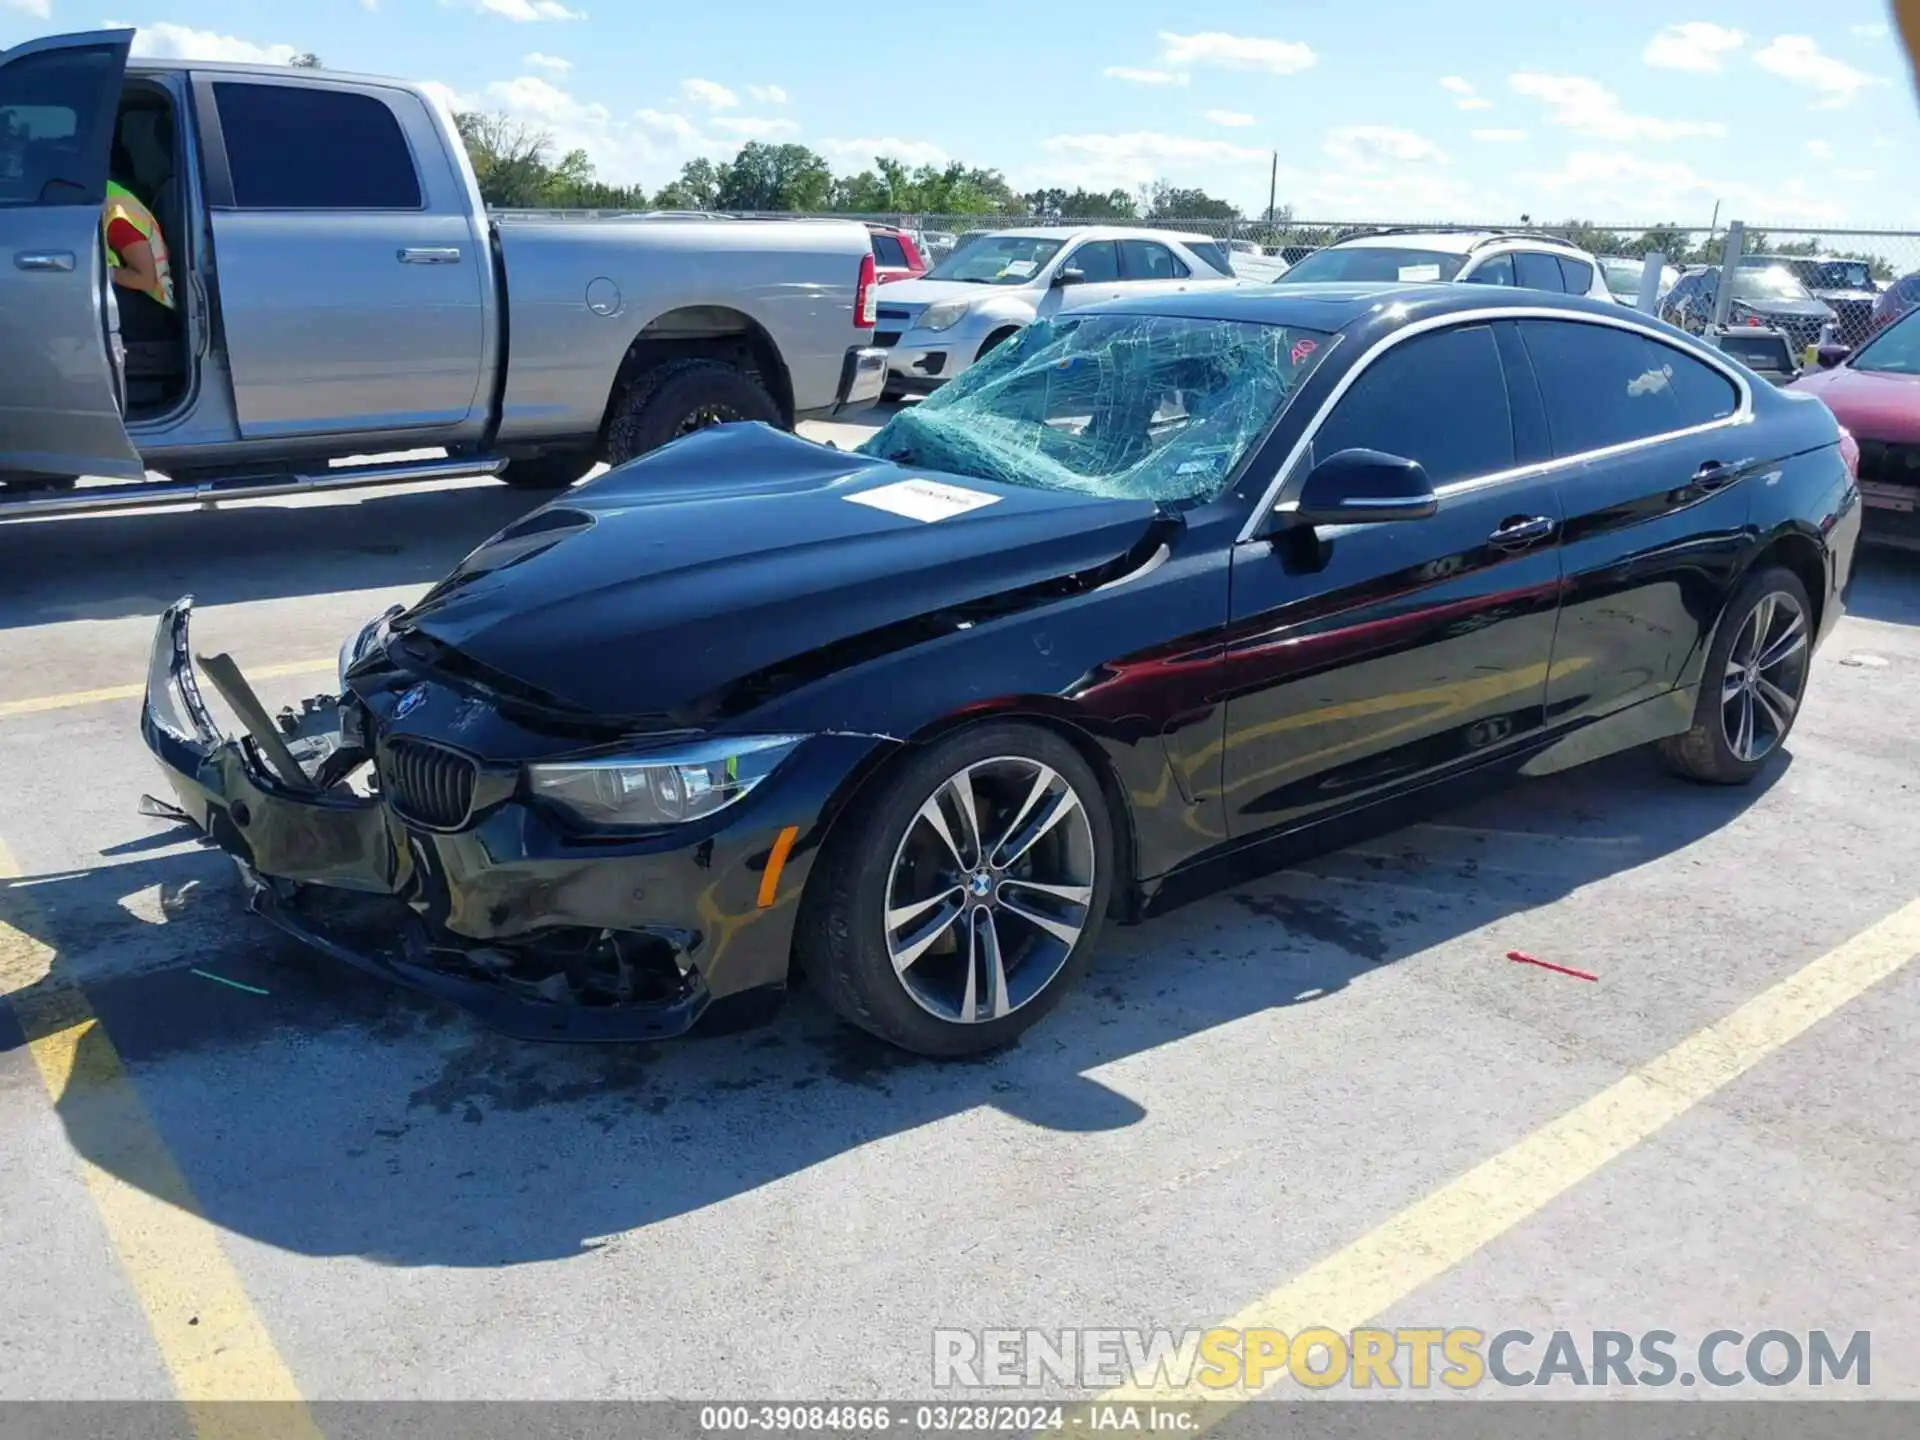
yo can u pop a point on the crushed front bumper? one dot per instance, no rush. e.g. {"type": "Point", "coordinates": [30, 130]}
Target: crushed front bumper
{"type": "Point", "coordinates": [536, 933]}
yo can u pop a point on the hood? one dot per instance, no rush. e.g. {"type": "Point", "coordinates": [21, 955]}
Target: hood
{"type": "Point", "coordinates": [1873, 405]}
{"type": "Point", "coordinates": [919, 293]}
{"type": "Point", "coordinates": [1851, 297]}
{"type": "Point", "coordinates": [656, 588]}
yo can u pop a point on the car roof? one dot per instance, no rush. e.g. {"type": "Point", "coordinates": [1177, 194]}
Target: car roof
{"type": "Point", "coordinates": [1451, 242]}
{"type": "Point", "coordinates": [1102, 232]}
{"type": "Point", "coordinates": [1341, 305]}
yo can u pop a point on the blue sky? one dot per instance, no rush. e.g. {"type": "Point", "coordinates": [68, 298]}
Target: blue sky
{"type": "Point", "coordinates": [1784, 112]}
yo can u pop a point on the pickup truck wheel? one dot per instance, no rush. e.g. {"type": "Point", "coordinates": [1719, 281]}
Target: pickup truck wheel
{"type": "Point", "coordinates": [678, 398]}
{"type": "Point", "coordinates": [545, 472]}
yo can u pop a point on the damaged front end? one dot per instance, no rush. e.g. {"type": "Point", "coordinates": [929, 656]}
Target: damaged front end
{"type": "Point", "coordinates": [537, 933]}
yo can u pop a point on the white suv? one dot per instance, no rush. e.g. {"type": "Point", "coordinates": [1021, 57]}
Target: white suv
{"type": "Point", "coordinates": [1475, 257]}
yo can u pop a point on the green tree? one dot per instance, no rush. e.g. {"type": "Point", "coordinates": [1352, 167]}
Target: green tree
{"type": "Point", "coordinates": [306, 60]}
{"type": "Point", "coordinates": [1058, 204]}
{"type": "Point", "coordinates": [775, 177]}
{"type": "Point", "coordinates": [1163, 200]}
{"type": "Point", "coordinates": [698, 188]}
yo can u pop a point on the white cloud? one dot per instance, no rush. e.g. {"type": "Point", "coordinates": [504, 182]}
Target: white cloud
{"type": "Point", "coordinates": [1135, 76]}
{"type": "Point", "coordinates": [39, 9]}
{"type": "Point", "coordinates": [708, 93]}
{"type": "Point", "coordinates": [1853, 177]}
{"type": "Point", "coordinates": [1105, 161]}
{"type": "Point", "coordinates": [530, 96]}
{"type": "Point", "coordinates": [1372, 148]}
{"type": "Point", "coordinates": [1457, 85]}
{"type": "Point", "coordinates": [644, 147]}
{"type": "Point", "coordinates": [1799, 61]}
{"type": "Point", "coordinates": [678, 126]}
{"type": "Point", "coordinates": [372, 7]}
{"type": "Point", "coordinates": [455, 100]}
{"type": "Point", "coordinates": [546, 62]}
{"type": "Point", "coordinates": [1473, 102]}
{"type": "Point", "coordinates": [1463, 91]}
{"type": "Point", "coordinates": [1233, 119]}
{"type": "Point", "coordinates": [1692, 45]}
{"type": "Point", "coordinates": [1818, 149]}
{"type": "Point", "coordinates": [179, 42]}
{"type": "Point", "coordinates": [768, 94]}
{"type": "Point", "coordinates": [1499, 136]}
{"type": "Point", "coordinates": [527, 10]}
{"type": "Point", "coordinates": [1589, 108]}
{"type": "Point", "coordinates": [754, 127]}
{"type": "Point", "coordinates": [1614, 180]}
{"type": "Point", "coordinates": [859, 152]}
{"type": "Point", "coordinates": [1236, 52]}
{"type": "Point", "coordinates": [1868, 32]}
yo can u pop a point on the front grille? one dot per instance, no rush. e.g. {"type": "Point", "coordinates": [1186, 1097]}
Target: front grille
{"type": "Point", "coordinates": [1800, 330]}
{"type": "Point", "coordinates": [886, 338]}
{"type": "Point", "coordinates": [1884, 462]}
{"type": "Point", "coordinates": [426, 783]}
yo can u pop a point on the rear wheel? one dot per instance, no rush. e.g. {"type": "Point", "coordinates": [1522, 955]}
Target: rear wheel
{"type": "Point", "coordinates": [545, 472]}
{"type": "Point", "coordinates": [679, 398]}
{"type": "Point", "coordinates": [956, 908]}
{"type": "Point", "coordinates": [1755, 678]}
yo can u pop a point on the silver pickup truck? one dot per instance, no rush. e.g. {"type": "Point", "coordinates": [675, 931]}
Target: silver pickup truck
{"type": "Point", "coordinates": [342, 292]}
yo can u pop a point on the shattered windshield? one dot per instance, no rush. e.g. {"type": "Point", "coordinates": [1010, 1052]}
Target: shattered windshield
{"type": "Point", "coordinates": [997, 260]}
{"type": "Point", "coordinates": [1148, 407]}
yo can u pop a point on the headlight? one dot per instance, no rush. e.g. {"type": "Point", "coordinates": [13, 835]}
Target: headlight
{"type": "Point", "coordinates": [665, 787]}
{"type": "Point", "coordinates": [943, 316]}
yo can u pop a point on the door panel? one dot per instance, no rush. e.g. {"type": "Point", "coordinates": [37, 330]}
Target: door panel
{"type": "Point", "coordinates": [1365, 658]}
{"type": "Point", "coordinates": [60, 396]}
{"type": "Point", "coordinates": [344, 310]}
{"type": "Point", "coordinates": [1649, 550]}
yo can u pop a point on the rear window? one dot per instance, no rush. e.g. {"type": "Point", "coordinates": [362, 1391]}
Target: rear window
{"type": "Point", "coordinates": [1577, 274]}
{"type": "Point", "coordinates": [1374, 262]}
{"type": "Point", "coordinates": [1216, 255]}
{"type": "Point", "coordinates": [290, 147]}
{"type": "Point", "coordinates": [1538, 271]}
{"type": "Point", "coordinates": [887, 250]}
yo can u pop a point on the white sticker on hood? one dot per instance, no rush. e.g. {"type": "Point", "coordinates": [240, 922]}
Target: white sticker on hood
{"type": "Point", "coordinates": [927, 500]}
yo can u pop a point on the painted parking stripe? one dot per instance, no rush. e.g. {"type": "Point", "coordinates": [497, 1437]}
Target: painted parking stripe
{"type": "Point", "coordinates": [1430, 1237]}
{"type": "Point", "coordinates": [212, 1342]}
{"type": "Point", "coordinates": [72, 699]}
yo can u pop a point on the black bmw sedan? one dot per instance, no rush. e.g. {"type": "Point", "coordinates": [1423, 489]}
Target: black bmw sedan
{"type": "Point", "coordinates": [1157, 583]}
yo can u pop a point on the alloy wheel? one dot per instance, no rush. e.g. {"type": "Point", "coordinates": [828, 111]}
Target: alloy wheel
{"type": "Point", "coordinates": [1766, 676]}
{"type": "Point", "coordinates": [704, 416]}
{"type": "Point", "coordinates": [990, 889]}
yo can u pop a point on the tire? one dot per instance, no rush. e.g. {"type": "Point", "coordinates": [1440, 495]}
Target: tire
{"type": "Point", "coordinates": [679, 397]}
{"type": "Point", "coordinates": [994, 341]}
{"type": "Point", "coordinates": [545, 472]}
{"type": "Point", "coordinates": [886, 853]}
{"type": "Point", "coordinates": [891, 396]}
{"type": "Point", "coordinates": [1738, 721]}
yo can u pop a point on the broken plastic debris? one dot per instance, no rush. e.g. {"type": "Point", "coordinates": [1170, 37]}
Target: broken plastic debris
{"type": "Point", "coordinates": [1525, 959]}
{"type": "Point", "coordinates": [231, 984]}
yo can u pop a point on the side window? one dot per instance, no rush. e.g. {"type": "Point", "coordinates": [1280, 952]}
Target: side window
{"type": "Point", "coordinates": [1576, 274]}
{"type": "Point", "coordinates": [53, 106]}
{"type": "Point", "coordinates": [1497, 271]}
{"type": "Point", "coordinates": [1537, 271]}
{"type": "Point", "coordinates": [1098, 260]}
{"type": "Point", "coordinates": [1605, 386]}
{"type": "Point", "coordinates": [1440, 399]}
{"type": "Point", "coordinates": [290, 147]}
{"type": "Point", "coordinates": [887, 250]}
{"type": "Point", "coordinates": [1215, 254]}
{"type": "Point", "coordinates": [1150, 260]}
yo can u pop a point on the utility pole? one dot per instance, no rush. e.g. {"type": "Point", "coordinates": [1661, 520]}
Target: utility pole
{"type": "Point", "coordinates": [1273, 187]}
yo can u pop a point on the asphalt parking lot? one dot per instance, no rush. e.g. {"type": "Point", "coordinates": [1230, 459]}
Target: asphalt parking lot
{"type": "Point", "coordinates": [234, 1170]}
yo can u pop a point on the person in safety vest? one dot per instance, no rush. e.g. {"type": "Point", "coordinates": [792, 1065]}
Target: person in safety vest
{"type": "Point", "coordinates": [136, 250]}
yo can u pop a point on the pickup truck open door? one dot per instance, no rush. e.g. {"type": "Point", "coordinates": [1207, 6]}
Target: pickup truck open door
{"type": "Point", "coordinates": [61, 391]}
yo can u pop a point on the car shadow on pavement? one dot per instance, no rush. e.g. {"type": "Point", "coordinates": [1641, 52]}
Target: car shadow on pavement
{"type": "Point", "coordinates": [331, 1115]}
{"type": "Point", "coordinates": [103, 567]}
{"type": "Point", "coordinates": [1886, 585]}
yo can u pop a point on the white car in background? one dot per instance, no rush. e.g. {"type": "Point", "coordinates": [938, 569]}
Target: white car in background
{"type": "Point", "coordinates": [938, 325]}
{"type": "Point", "coordinates": [1527, 259]}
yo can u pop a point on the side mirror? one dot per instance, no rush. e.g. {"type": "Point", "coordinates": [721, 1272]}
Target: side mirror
{"type": "Point", "coordinates": [1071, 275]}
{"type": "Point", "coordinates": [1358, 487]}
{"type": "Point", "coordinates": [1828, 356]}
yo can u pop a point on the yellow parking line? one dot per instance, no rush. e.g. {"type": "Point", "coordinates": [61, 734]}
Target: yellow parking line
{"type": "Point", "coordinates": [212, 1342]}
{"type": "Point", "coordinates": [1352, 1286]}
{"type": "Point", "coordinates": [39, 703]}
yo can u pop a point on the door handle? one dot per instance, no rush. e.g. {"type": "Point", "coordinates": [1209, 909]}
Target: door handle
{"type": "Point", "coordinates": [1522, 531]}
{"type": "Point", "coordinates": [55, 261]}
{"type": "Point", "coordinates": [1714, 475]}
{"type": "Point", "coordinates": [429, 255]}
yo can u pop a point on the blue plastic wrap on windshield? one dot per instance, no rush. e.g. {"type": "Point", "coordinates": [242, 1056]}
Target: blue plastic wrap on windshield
{"type": "Point", "coordinates": [1123, 406]}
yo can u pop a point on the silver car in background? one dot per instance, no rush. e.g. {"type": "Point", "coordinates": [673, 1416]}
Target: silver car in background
{"type": "Point", "coordinates": [989, 289]}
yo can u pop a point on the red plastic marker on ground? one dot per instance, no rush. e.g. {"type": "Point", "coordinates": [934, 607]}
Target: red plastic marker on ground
{"type": "Point", "coordinates": [1549, 965]}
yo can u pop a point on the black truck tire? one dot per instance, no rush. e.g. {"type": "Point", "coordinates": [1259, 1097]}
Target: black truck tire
{"type": "Point", "coordinates": [680, 397]}
{"type": "Point", "coordinates": [545, 472]}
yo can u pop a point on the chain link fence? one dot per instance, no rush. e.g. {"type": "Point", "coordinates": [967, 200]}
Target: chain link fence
{"type": "Point", "coordinates": [1865, 278]}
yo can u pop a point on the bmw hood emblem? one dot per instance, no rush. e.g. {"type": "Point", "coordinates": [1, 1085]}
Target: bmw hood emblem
{"type": "Point", "coordinates": [411, 701]}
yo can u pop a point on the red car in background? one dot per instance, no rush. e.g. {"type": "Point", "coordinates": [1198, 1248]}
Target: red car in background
{"type": "Point", "coordinates": [1875, 395]}
{"type": "Point", "coordinates": [896, 255]}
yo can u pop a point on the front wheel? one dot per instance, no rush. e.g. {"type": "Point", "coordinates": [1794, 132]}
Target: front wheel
{"type": "Point", "coordinates": [955, 908]}
{"type": "Point", "coordinates": [1755, 678]}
